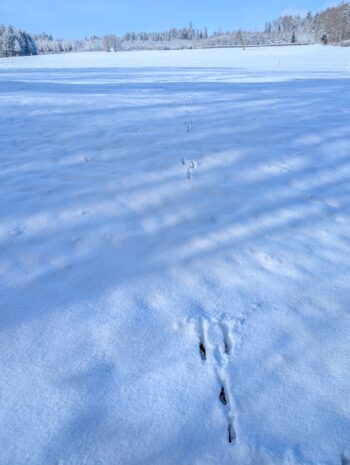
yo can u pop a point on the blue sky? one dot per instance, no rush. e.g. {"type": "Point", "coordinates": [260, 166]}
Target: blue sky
{"type": "Point", "coordinates": [80, 18]}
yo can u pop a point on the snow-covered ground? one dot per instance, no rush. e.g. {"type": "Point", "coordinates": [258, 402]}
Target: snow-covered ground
{"type": "Point", "coordinates": [175, 258]}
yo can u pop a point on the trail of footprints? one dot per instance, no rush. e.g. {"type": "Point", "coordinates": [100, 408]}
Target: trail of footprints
{"type": "Point", "coordinates": [190, 165]}
{"type": "Point", "coordinates": [215, 343]}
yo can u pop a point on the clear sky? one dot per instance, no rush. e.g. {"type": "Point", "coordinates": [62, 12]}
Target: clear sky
{"type": "Point", "coordinates": [80, 18]}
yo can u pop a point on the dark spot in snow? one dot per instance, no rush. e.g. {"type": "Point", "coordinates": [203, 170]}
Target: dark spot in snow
{"type": "Point", "coordinates": [222, 396]}
{"type": "Point", "coordinates": [231, 433]}
{"type": "Point", "coordinates": [202, 351]}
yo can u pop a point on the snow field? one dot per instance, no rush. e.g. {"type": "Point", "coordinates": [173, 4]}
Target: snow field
{"type": "Point", "coordinates": [175, 258]}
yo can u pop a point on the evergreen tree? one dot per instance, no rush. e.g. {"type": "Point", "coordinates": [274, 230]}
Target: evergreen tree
{"type": "Point", "coordinates": [14, 42]}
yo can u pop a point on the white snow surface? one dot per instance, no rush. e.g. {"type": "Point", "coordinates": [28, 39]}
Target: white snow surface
{"type": "Point", "coordinates": [153, 202]}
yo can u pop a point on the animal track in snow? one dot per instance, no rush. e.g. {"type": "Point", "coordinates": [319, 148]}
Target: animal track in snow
{"type": "Point", "coordinates": [201, 336]}
{"type": "Point", "coordinates": [219, 338]}
{"type": "Point", "coordinates": [188, 124]}
{"type": "Point", "coordinates": [190, 165]}
{"type": "Point", "coordinates": [226, 400]}
{"type": "Point", "coordinates": [216, 344]}
{"type": "Point", "coordinates": [202, 351]}
{"type": "Point", "coordinates": [226, 337]}
{"type": "Point", "coordinates": [17, 231]}
{"type": "Point", "coordinates": [222, 396]}
{"type": "Point", "coordinates": [231, 433]}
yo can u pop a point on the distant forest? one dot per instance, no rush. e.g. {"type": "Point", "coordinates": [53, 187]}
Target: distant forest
{"type": "Point", "coordinates": [331, 26]}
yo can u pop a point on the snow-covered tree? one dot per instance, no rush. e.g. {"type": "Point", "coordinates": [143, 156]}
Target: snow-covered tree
{"type": "Point", "coordinates": [329, 26]}
{"type": "Point", "coordinates": [14, 42]}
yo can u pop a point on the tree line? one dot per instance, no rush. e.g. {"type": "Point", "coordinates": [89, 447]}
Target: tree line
{"type": "Point", "coordinates": [15, 42]}
{"type": "Point", "coordinates": [329, 26]}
